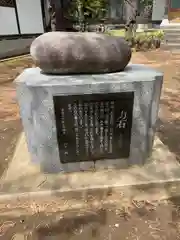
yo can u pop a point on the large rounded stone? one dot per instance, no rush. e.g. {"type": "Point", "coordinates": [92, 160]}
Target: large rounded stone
{"type": "Point", "coordinates": [67, 52]}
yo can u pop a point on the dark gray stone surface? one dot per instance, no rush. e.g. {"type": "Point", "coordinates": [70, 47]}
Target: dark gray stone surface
{"type": "Point", "coordinates": [66, 52]}
{"type": "Point", "coordinates": [35, 95]}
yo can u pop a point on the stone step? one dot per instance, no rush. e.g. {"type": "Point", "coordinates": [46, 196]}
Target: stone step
{"type": "Point", "coordinates": [172, 39]}
{"type": "Point", "coordinates": [172, 36]}
{"type": "Point", "coordinates": [170, 46]}
{"type": "Point", "coordinates": [171, 30]}
{"type": "Point", "coordinates": [172, 33]}
{"type": "Point", "coordinates": [171, 27]}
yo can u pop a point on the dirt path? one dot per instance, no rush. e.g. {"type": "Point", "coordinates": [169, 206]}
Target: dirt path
{"type": "Point", "coordinates": [169, 114]}
{"type": "Point", "coordinates": [138, 221]}
{"type": "Point", "coordinates": [10, 125]}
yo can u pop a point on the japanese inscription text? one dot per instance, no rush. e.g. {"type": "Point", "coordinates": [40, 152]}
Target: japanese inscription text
{"type": "Point", "coordinates": [93, 127]}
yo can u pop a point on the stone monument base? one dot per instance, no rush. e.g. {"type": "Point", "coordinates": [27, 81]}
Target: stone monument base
{"type": "Point", "coordinates": [84, 122]}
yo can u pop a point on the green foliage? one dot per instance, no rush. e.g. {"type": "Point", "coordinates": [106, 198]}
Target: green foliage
{"type": "Point", "coordinates": [121, 33]}
{"type": "Point", "coordinates": [141, 41]}
{"type": "Point", "coordinates": [88, 9]}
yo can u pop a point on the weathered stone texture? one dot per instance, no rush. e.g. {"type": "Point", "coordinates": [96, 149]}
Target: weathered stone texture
{"type": "Point", "coordinates": [66, 52]}
{"type": "Point", "coordinates": [35, 94]}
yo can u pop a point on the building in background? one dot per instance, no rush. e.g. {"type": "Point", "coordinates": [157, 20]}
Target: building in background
{"type": "Point", "coordinates": [172, 13]}
{"type": "Point", "coordinates": [153, 10]}
{"type": "Point", "coordinates": [21, 17]}
{"type": "Point", "coordinates": [158, 11]}
{"type": "Point", "coordinates": [31, 17]}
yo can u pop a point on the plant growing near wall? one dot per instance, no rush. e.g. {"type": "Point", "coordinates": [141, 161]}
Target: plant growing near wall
{"type": "Point", "coordinates": [141, 41]}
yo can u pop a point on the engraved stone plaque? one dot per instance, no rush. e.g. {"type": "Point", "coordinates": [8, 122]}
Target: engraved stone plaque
{"type": "Point", "coordinates": [93, 127]}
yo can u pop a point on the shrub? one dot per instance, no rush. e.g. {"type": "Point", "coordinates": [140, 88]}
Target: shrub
{"type": "Point", "coordinates": [141, 41]}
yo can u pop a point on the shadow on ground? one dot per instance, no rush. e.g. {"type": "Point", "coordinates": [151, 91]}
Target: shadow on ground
{"type": "Point", "coordinates": [73, 224]}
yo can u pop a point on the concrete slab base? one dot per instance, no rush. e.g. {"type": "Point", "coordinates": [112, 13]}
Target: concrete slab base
{"type": "Point", "coordinates": [159, 178]}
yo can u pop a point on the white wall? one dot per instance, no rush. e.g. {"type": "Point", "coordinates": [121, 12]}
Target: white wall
{"type": "Point", "coordinates": [158, 10]}
{"type": "Point", "coordinates": [8, 23]}
{"type": "Point", "coordinates": [30, 16]}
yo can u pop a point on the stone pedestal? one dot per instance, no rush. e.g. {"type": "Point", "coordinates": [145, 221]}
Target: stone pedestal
{"type": "Point", "coordinates": [62, 113]}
